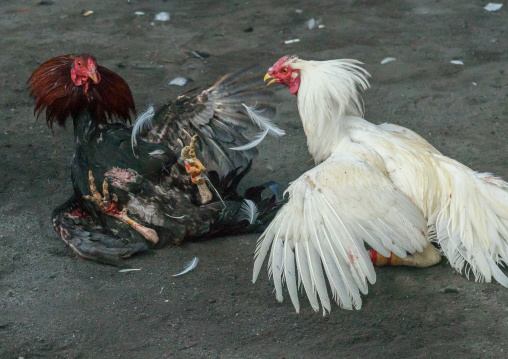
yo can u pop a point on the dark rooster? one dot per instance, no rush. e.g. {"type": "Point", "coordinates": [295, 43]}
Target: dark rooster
{"type": "Point", "coordinates": [153, 186]}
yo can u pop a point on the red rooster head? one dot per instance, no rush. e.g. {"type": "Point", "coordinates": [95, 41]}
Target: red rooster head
{"type": "Point", "coordinates": [283, 73]}
{"type": "Point", "coordinates": [84, 69]}
{"type": "Point", "coordinates": [70, 84]}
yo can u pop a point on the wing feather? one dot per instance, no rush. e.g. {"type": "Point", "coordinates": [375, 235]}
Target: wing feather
{"type": "Point", "coordinates": [333, 210]}
{"type": "Point", "coordinates": [290, 274]}
{"type": "Point", "coordinates": [219, 116]}
{"type": "Point", "coordinates": [303, 268]}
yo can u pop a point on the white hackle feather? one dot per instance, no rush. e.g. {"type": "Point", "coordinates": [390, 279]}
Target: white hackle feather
{"type": "Point", "coordinates": [190, 266]}
{"type": "Point", "coordinates": [328, 91]}
{"type": "Point", "coordinates": [248, 211]}
{"type": "Point", "coordinates": [383, 185]}
{"type": "Point", "coordinates": [143, 122]}
{"type": "Point", "coordinates": [264, 123]}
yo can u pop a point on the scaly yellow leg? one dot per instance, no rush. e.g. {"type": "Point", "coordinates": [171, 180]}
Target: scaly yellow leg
{"type": "Point", "coordinates": [193, 166]}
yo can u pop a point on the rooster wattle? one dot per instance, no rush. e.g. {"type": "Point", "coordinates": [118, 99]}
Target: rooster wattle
{"type": "Point", "coordinates": [153, 186]}
{"type": "Point", "coordinates": [383, 185]}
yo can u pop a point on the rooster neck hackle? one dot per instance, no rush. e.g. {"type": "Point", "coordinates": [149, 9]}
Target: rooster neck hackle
{"type": "Point", "coordinates": [328, 93]}
{"type": "Point", "coordinates": [55, 93]}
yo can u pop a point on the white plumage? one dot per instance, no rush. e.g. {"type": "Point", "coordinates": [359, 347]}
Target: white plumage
{"type": "Point", "coordinates": [383, 185]}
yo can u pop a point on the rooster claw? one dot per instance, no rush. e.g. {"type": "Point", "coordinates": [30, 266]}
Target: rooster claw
{"type": "Point", "coordinates": [194, 167]}
{"type": "Point", "coordinates": [108, 204]}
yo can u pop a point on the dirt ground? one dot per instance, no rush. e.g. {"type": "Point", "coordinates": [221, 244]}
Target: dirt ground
{"type": "Point", "coordinates": [53, 305]}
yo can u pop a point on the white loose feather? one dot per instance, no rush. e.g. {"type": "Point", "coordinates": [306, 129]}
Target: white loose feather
{"type": "Point", "coordinates": [263, 122]}
{"type": "Point", "coordinates": [143, 122]}
{"type": "Point", "coordinates": [126, 270]}
{"type": "Point", "coordinates": [157, 153]}
{"type": "Point", "coordinates": [192, 264]}
{"type": "Point", "coordinates": [259, 138]}
{"type": "Point", "coordinates": [177, 217]}
{"type": "Point", "coordinates": [248, 211]}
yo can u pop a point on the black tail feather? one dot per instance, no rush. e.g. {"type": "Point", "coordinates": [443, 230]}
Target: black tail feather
{"type": "Point", "coordinates": [228, 184]}
{"type": "Point", "coordinates": [232, 222]}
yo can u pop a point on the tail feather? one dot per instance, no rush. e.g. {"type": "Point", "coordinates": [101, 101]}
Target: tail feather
{"type": "Point", "coordinates": [233, 219]}
{"type": "Point", "coordinates": [467, 211]}
{"type": "Point", "coordinates": [472, 223]}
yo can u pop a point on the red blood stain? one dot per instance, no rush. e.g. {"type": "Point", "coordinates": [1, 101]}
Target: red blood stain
{"type": "Point", "coordinates": [78, 213]}
{"type": "Point", "coordinates": [373, 256]}
{"type": "Point", "coordinates": [112, 209]}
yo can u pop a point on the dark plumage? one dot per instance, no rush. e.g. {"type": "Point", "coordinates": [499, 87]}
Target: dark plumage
{"type": "Point", "coordinates": [53, 89]}
{"type": "Point", "coordinates": [218, 116]}
{"type": "Point", "coordinates": [147, 189]}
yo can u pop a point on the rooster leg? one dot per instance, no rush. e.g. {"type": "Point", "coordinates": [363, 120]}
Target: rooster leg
{"type": "Point", "coordinates": [108, 204]}
{"type": "Point", "coordinates": [428, 257]}
{"type": "Point", "coordinates": [193, 166]}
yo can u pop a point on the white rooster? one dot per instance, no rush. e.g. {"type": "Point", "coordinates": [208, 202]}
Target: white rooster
{"type": "Point", "coordinates": [380, 184]}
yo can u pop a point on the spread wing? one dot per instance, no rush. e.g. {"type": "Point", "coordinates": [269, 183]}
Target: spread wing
{"type": "Point", "coordinates": [320, 233]}
{"type": "Point", "coordinates": [222, 118]}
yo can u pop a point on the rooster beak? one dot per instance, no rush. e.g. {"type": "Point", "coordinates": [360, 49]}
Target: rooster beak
{"type": "Point", "coordinates": [93, 75]}
{"type": "Point", "coordinates": [269, 77]}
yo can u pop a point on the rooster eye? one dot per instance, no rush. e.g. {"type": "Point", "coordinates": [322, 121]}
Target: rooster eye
{"type": "Point", "coordinates": [79, 63]}
{"type": "Point", "coordinates": [285, 70]}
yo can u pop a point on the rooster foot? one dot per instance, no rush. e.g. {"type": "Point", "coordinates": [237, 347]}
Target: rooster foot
{"type": "Point", "coordinates": [108, 204]}
{"type": "Point", "coordinates": [194, 167]}
{"type": "Point", "coordinates": [428, 257]}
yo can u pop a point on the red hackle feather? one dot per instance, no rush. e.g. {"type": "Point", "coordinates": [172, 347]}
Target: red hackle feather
{"type": "Point", "coordinates": [55, 93]}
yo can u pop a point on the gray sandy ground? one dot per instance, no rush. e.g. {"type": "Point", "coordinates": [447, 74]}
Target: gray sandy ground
{"type": "Point", "coordinates": [53, 305]}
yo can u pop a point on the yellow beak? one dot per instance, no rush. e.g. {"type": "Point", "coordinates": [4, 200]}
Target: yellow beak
{"type": "Point", "coordinates": [93, 75]}
{"type": "Point", "coordinates": [269, 77]}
